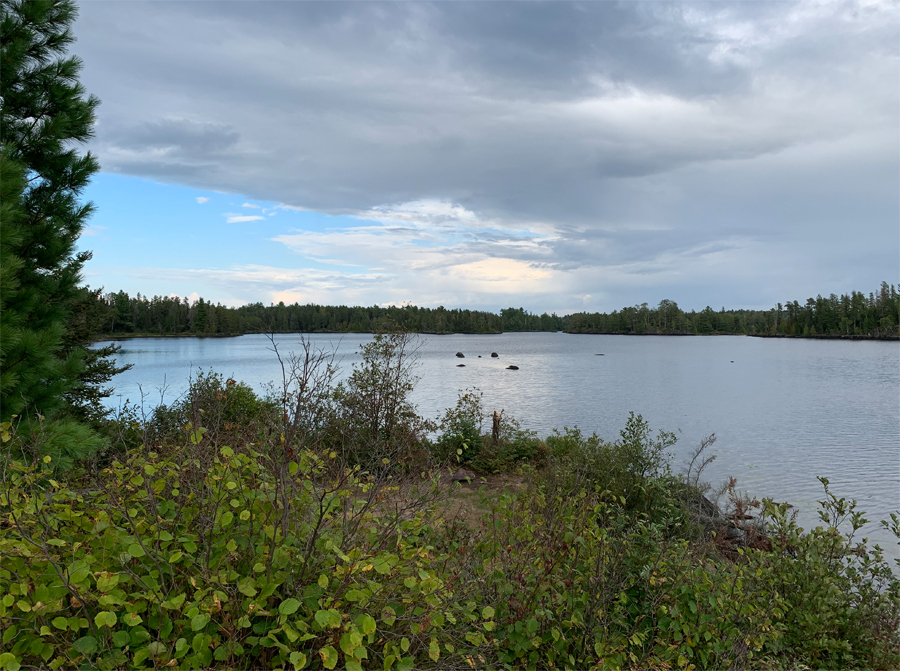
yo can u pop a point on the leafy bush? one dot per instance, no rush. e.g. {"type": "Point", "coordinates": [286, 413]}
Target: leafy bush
{"type": "Point", "coordinates": [461, 430]}
{"type": "Point", "coordinates": [375, 419]}
{"type": "Point", "coordinates": [513, 445]}
{"type": "Point", "coordinates": [576, 582]}
{"type": "Point", "coordinates": [244, 561]}
{"type": "Point", "coordinates": [174, 564]}
{"type": "Point", "coordinates": [634, 468]}
{"type": "Point", "coordinates": [839, 601]}
{"type": "Point", "coordinates": [229, 411]}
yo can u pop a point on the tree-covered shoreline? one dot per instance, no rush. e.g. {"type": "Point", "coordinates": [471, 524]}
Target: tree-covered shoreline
{"type": "Point", "coordinates": [850, 316]}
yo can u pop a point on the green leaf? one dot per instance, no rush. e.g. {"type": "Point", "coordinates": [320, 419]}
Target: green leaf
{"type": "Point", "coordinates": [329, 656]}
{"type": "Point", "coordinates": [328, 618]}
{"type": "Point", "coordinates": [107, 581]}
{"type": "Point", "coordinates": [9, 662]}
{"type": "Point", "coordinates": [78, 571]}
{"type": "Point", "coordinates": [487, 612]}
{"type": "Point", "coordinates": [86, 645]}
{"type": "Point", "coordinates": [135, 550]}
{"type": "Point", "coordinates": [368, 625]}
{"type": "Point", "coordinates": [352, 665]}
{"type": "Point", "coordinates": [157, 648]}
{"type": "Point", "coordinates": [60, 623]}
{"type": "Point", "coordinates": [199, 621]}
{"type": "Point", "coordinates": [289, 606]}
{"type": "Point", "coordinates": [121, 639]}
{"type": "Point", "coordinates": [105, 618]}
{"type": "Point", "coordinates": [298, 659]}
{"type": "Point", "coordinates": [246, 587]}
{"type": "Point", "coordinates": [132, 619]}
{"type": "Point", "coordinates": [227, 518]}
{"type": "Point", "coordinates": [434, 650]}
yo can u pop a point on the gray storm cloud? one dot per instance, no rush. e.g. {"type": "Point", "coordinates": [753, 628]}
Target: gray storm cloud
{"type": "Point", "coordinates": [635, 145]}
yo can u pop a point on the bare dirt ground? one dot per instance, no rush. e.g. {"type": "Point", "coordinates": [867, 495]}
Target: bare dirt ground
{"type": "Point", "coordinates": [469, 501]}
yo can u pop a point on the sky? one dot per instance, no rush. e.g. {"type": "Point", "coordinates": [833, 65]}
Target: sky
{"type": "Point", "coordinates": [555, 156]}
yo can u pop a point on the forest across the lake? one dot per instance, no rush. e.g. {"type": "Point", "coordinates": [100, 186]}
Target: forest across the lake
{"type": "Point", "coordinates": [853, 315]}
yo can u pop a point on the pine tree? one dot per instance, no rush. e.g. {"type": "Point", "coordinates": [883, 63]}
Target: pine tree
{"type": "Point", "coordinates": [45, 114]}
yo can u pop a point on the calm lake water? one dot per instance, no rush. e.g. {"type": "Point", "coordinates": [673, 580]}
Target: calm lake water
{"type": "Point", "coordinates": [784, 411]}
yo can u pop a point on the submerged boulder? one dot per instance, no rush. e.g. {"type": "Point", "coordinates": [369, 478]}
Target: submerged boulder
{"type": "Point", "coordinates": [494, 355]}
{"type": "Point", "coordinates": [512, 368]}
{"type": "Point", "coordinates": [460, 355]}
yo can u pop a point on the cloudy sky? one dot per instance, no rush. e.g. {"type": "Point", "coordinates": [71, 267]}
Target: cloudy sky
{"type": "Point", "coordinates": [557, 156]}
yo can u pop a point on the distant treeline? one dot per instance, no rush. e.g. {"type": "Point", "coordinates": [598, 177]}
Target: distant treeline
{"type": "Point", "coordinates": [857, 314]}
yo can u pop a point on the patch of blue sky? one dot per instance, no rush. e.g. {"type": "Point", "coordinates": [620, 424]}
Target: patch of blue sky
{"type": "Point", "coordinates": [140, 224]}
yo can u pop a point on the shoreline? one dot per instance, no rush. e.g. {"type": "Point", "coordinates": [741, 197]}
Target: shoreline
{"type": "Point", "coordinates": [823, 336]}
{"type": "Point", "coordinates": [829, 336]}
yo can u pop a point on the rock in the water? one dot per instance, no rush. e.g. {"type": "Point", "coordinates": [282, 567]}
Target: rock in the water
{"type": "Point", "coordinates": [463, 475]}
{"type": "Point", "coordinates": [599, 355]}
{"type": "Point", "coordinates": [460, 365]}
{"type": "Point", "coordinates": [494, 355]}
{"type": "Point", "coordinates": [460, 355]}
{"type": "Point", "coordinates": [512, 368]}
{"type": "Point", "coordinates": [479, 356]}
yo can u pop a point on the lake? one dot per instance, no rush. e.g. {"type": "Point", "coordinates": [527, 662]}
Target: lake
{"type": "Point", "coordinates": [784, 411]}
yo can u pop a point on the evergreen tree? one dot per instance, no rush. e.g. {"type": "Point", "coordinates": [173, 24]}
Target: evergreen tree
{"type": "Point", "coordinates": [45, 114]}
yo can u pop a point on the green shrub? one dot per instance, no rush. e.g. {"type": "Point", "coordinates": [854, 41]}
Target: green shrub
{"type": "Point", "coordinates": [513, 445]}
{"type": "Point", "coordinates": [461, 428]}
{"type": "Point", "coordinates": [230, 411]}
{"type": "Point", "coordinates": [576, 582]}
{"type": "Point", "coordinates": [839, 601]}
{"type": "Point", "coordinates": [374, 419]}
{"type": "Point", "coordinates": [635, 467]}
{"type": "Point", "coordinates": [173, 564]}
{"type": "Point", "coordinates": [240, 561]}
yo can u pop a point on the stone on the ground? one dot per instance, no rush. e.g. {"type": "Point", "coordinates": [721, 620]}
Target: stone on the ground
{"type": "Point", "coordinates": [463, 475]}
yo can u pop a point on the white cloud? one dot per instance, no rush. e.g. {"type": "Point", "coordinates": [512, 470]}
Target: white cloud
{"type": "Point", "coordinates": [239, 218]}
{"type": "Point", "coordinates": [202, 199]}
{"type": "Point", "coordinates": [620, 135]}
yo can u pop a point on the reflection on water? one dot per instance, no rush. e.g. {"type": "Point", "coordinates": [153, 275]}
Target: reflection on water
{"type": "Point", "coordinates": [784, 411]}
